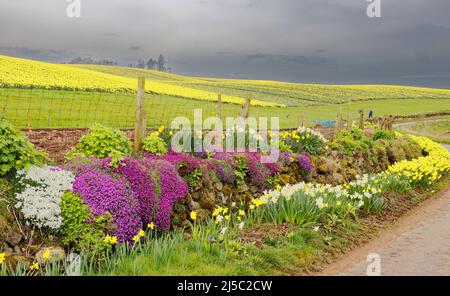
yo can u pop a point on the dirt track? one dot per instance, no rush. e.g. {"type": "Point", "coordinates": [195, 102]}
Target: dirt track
{"type": "Point", "coordinates": [419, 244]}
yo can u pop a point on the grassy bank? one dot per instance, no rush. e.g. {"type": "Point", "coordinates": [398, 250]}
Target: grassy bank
{"type": "Point", "coordinates": [438, 130]}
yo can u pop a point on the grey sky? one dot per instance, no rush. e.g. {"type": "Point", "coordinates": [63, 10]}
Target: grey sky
{"type": "Point", "coordinates": [323, 41]}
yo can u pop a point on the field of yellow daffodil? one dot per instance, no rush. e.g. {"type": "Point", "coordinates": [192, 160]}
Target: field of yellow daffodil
{"type": "Point", "coordinates": [22, 73]}
{"type": "Point", "coordinates": [290, 94]}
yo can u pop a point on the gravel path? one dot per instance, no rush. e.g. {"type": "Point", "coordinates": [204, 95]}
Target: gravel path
{"type": "Point", "coordinates": [418, 245]}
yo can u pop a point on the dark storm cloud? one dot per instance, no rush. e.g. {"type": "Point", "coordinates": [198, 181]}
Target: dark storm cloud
{"type": "Point", "coordinates": [294, 40]}
{"type": "Point", "coordinates": [291, 60]}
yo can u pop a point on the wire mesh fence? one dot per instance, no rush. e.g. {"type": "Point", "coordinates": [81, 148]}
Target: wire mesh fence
{"type": "Point", "coordinates": [38, 108]}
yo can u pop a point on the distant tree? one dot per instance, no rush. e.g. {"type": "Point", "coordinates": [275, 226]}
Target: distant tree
{"type": "Point", "coordinates": [90, 61]}
{"type": "Point", "coordinates": [151, 64]}
{"type": "Point", "coordinates": [161, 66]}
{"type": "Point", "coordinates": [141, 64]}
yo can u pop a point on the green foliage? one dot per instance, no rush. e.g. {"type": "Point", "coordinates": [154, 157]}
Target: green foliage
{"type": "Point", "coordinates": [102, 142]}
{"type": "Point", "coordinates": [154, 145]}
{"type": "Point", "coordinates": [302, 140]}
{"type": "Point", "coordinates": [82, 231]}
{"type": "Point", "coordinates": [352, 141]}
{"type": "Point", "coordinates": [241, 170]}
{"type": "Point", "coordinates": [283, 146]}
{"type": "Point", "coordinates": [194, 177]}
{"type": "Point", "coordinates": [16, 152]}
{"type": "Point", "coordinates": [383, 135]}
{"type": "Point", "coordinates": [403, 148]}
{"type": "Point", "coordinates": [412, 148]}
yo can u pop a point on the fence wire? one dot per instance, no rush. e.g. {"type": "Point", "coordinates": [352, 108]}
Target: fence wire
{"type": "Point", "coordinates": [37, 108]}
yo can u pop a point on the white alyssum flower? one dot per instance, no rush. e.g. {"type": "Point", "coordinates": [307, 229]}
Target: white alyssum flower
{"type": "Point", "coordinates": [40, 200]}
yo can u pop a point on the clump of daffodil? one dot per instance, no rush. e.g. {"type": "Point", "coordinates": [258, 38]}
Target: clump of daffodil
{"type": "Point", "coordinates": [34, 266]}
{"type": "Point", "coordinates": [257, 202]}
{"type": "Point", "coordinates": [112, 240]}
{"type": "Point", "coordinates": [138, 236]}
{"type": "Point", "coordinates": [151, 226]}
{"type": "Point", "coordinates": [2, 258]}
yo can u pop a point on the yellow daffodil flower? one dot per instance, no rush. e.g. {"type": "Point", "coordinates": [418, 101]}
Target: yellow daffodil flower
{"type": "Point", "coordinates": [193, 215]}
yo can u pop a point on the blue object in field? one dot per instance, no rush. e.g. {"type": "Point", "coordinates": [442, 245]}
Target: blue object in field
{"type": "Point", "coordinates": [323, 122]}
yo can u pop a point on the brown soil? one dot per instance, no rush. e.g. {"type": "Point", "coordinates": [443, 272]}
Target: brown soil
{"type": "Point", "coordinates": [57, 142]}
{"type": "Point", "coordinates": [259, 234]}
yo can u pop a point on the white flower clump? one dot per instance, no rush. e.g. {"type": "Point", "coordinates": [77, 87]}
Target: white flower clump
{"type": "Point", "coordinates": [310, 131]}
{"type": "Point", "coordinates": [365, 186]}
{"type": "Point", "coordinates": [40, 200]}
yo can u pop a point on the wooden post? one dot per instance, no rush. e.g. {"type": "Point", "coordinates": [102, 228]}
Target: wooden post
{"type": "Point", "coordinates": [390, 122]}
{"type": "Point", "coordinates": [246, 108]}
{"type": "Point", "coordinates": [361, 119]}
{"type": "Point", "coordinates": [219, 106]}
{"type": "Point", "coordinates": [383, 122]}
{"type": "Point", "coordinates": [349, 116]}
{"type": "Point", "coordinates": [337, 125]}
{"type": "Point", "coordinates": [302, 119]}
{"type": "Point", "coordinates": [139, 128]}
{"type": "Point", "coordinates": [349, 121]}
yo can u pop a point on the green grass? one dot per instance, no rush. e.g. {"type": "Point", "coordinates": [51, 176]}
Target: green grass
{"type": "Point", "coordinates": [174, 255]}
{"type": "Point", "coordinates": [71, 109]}
{"type": "Point", "coordinates": [437, 130]}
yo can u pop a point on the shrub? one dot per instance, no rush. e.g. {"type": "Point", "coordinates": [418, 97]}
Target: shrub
{"type": "Point", "coordinates": [81, 230]}
{"type": "Point", "coordinates": [383, 135]}
{"type": "Point", "coordinates": [403, 148]}
{"type": "Point", "coordinates": [40, 197]}
{"type": "Point", "coordinates": [412, 148]}
{"type": "Point", "coordinates": [16, 152]}
{"type": "Point", "coordinates": [350, 141]}
{"type": "Point", "coordinates": [101, 142]}
{"type": "Point", "coordinates": [104, 194]}
{"type": "Point", "coordinates": [154, 145]}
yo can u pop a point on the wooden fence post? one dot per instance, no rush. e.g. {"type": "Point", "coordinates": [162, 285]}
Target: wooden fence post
{"type": "Point", "coordinates": [337, 125]}
{"type": "Point", "coordinates": [361, 119]}
{"type": "Point", "coordinates": [219, 106]}
{"type": "Point", "coordinates": [139, 128]}
{"type": "Point", "coordinates": [246, 109]}
{"type": "Point", "coordinates": [302, 119]}
{"type": "Point", "coordinates": [390, 122]}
